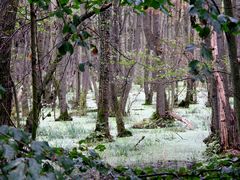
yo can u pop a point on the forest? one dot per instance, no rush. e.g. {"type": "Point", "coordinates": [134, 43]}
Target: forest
{"type": "Point", "coordinates": [119, 89]}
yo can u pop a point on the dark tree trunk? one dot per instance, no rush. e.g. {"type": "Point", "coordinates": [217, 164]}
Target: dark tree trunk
{"type": "Point", "coordinates": [232, 50]}
{"type": "Point", "coordinates": [8, 10]}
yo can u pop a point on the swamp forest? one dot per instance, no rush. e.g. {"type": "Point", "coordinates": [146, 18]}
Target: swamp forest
{"type": "Point", "coordinates": [119, 89]}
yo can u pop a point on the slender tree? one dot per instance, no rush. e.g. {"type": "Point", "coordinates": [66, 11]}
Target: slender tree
{"type": "Point", "coordinates": [102, 124]}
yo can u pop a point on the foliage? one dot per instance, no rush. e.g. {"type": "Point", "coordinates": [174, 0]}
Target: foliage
{"type": "Point", "coordinates": [226, 167]}
{"type": "Point", "coordinates": [22, 158]}
{"type": "Point", "coordinates": [213, 145]}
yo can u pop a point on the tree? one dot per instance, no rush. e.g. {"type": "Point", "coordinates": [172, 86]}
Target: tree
{"type": "Point", "coordinates": [115, 41]}
{"type": "Point", "coordinates": [8, 10]}
{"type": "Point", "coordinates": [102, 124]}
{"type": "Point", "coordinates": [233, 58]}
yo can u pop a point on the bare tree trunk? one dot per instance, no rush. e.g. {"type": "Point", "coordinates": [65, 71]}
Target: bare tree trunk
{"type": "Point", "coordinates": [148, 87]}
{"type": "Point", "coordinates": [102, 124]}
{"type": "Point", "coordinates": [61, 82]}
{"type": "Point", "coordinates": [77, 78]}
{"type": "Point", "coordinates": [161, 101]}
{"type": "Point", "coordinates": [232, 50]}
{"type": "Point", "coordinates": [115, 39]}
{"type": "Point", "coordinates": [148, 90]}
{"type": "Point", "coordinates": [62, 91]}
{"type": "Point", "coordinates": [35, 74]}
{"type": "Point", "coordinates": [8, 10]}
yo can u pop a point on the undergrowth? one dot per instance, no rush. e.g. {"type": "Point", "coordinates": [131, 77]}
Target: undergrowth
{"type": "Point", "coordinates": [21, 158]}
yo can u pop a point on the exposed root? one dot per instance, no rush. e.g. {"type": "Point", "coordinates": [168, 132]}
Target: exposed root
{"type": "Point", "coordinates": [155, 122]}
{"type": "Point", "coordinates": [125, 133]}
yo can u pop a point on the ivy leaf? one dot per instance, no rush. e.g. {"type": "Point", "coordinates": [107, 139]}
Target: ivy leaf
{"type": "Point", "coordinates": [192, 10]}
{"type": "Point", "coordinates": [67, 10]}
{"type": "Point", "coordinates": [66, 47]}
{"type": "Point", "coordinates": [204, 32]}
{"type": "Point", "coordinates": [82, 67]}
{"type": "Point", "coordinates": [222, 18]}
{"type": "Point", "coordinates": [85, 35]}
{"type": "Point", "coordinates": [39, 147]}
{"type": "Point", "coordinates": [34, 169]}
{"type": "Point", "coordinates": [9, 152]}
{"type": "Point", "coordinates": [206, 52]}
{"type": "Point", "coordinates": [66, 28]}
{"type": "Point", "coordinates": [18, 173]}
{"type": "Point", "coordinates": [76, 20]}
{"type": "Point", "coordinates": [59, 13]}
{"type": "Point", "coordinates": [193, 64]}
{"type": "Point", "coordinates": [63, 2]}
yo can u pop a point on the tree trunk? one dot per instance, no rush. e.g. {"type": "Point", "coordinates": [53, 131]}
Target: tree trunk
{"type": "Point", "coordinates": [102, 124]}
{"type": "Point", "coordinates": [61, 82]}
{"type": "Point", "coordinates": [36, 80]}
{"type": "Point", "coordinates": [232, 50]}
{"type": "Point", "coordinates": [8, 10]}
{"type": "Point", "coordinates": [148, 87]}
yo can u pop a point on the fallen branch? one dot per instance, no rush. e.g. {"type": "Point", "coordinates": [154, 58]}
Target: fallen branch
{"type": "Point", "coordinates": [182, 119]}
{"type": "Point", "coordinates": [139, 142]}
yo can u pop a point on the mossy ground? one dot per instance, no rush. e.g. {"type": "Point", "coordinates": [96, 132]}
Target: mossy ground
{"type": "Point", "coordinates": [159, 145]}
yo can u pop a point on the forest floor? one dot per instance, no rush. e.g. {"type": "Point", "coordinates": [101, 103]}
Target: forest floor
{"type": "Point", "coordinates": [159, 146]}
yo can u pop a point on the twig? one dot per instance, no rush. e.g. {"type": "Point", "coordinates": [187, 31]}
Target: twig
{"type": "Point", "coordinates": [139, 142]}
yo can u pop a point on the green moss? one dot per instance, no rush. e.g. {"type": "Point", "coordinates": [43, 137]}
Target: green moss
{"type": "Point", "coordinates": [155, 122]}
{"type": "Point", "coordinates": [125, 133]}
{"type": "Point", "coordinates": [213, 145]}
{"type": "Point", "coordinates": [64, 117]}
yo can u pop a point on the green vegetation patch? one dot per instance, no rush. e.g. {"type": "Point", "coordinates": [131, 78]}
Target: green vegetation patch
{"type": "Point", "coordinates": [155, 122]}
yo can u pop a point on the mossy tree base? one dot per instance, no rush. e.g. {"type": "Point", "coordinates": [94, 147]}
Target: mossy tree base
{"type": "Point", "coordinates": [156, 122]}
{"type": "Point", "coordinates": [125, 133]}
{"type": "Point", "coordinates": [64, 117]}
{"type": "Point", "coordinates": [213, 145]}
{"type": "Point", "coordinates": [98, 136]}
{"type": "Point", "coordinates": [147, 103]}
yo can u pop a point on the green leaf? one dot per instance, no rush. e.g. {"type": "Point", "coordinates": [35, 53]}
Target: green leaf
{"type": "Point", "coordinates": [66, 29]}
{"type": "Point", "coordinates": [66, 47]}
{"type": "Point", "coordinates": [100, 147]}
{"type": "Point", "coordinates": [194, 66]}
{"type": "Point", "coordinates": [204, 32]}
{"type": "Point", "coordinates": [82, 67]}
{"type": "Point", "coordinates": [18, 173]}
{"type": "Point", "coordinates": [76, 20]}
{"type": "Point", "coordinates": [85, 35]}
{"type": "Point", "coordinates": [63, 2]}
{"type": "Point", "coordinates": [59, 13]}
{"type": "Point", "coordinates": [9, 152]}
{"type": "Point", "coordinates": [67, 10]}
{"type": "Point", "coordinates": [206, 52]}
{"type": "Point", "coordinates": [34, 168]}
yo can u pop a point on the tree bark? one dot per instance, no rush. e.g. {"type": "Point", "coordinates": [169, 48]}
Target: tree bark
{"type": "Point", "coordinates": [8, 10]}
{"type": "Point", "coordinates": [232, 51]}
{"type": "Point", "coordinates": [102, 124]}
